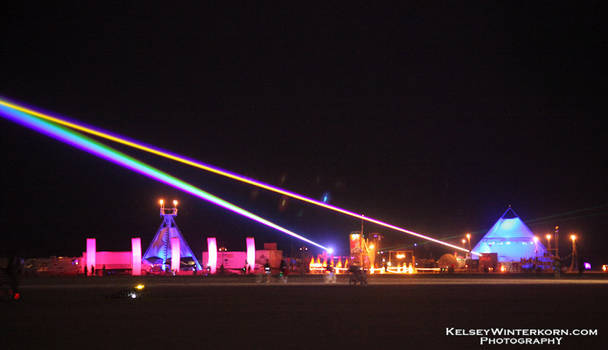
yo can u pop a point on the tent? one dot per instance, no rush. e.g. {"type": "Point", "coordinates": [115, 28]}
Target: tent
{"type": "Point", "coordinates": [511, 239]}
{"type": "Point", "coordinates": [159, 250]}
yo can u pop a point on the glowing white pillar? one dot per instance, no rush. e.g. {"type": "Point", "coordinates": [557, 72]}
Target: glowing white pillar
{"type": "Point", "coordinates": [251, 252]}
{"type": "Point", "coordinates": [91, 253]}
{"type": "Point", "coordinates": [212, 253]}
{"type": "Point", "coordinates": [175, 258]}
{"type": "Point", "coordinates": [136, 251]}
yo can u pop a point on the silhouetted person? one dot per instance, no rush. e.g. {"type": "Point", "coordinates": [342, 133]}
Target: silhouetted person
{"type": "Point", "coordinates": [85, 270]}
{"type": "Point", "coordinates": [267, 266]}
{"type": "Point", "coordinates": [92, 270]}
{"type": "Point", "coordinates": [103, 270]}
{"type": "Point", "coordinates": [13, 270]}
{"type": "Point", "coordinates": [267, 271]}
{"type": "Point", "coordinates": [222, 269]}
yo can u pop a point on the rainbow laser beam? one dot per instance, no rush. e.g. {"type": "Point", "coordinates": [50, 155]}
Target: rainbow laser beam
{"type": "Point", "coordinates": [178, 158]}
{"type": "Point", "coordinates": [86, 144]}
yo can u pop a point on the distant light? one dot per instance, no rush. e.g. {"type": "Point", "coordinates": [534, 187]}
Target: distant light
{"type": "Point", "coordinates": [463, 241]}
{"type": "Point", "coordinates": [535, 239]}
{"type": "Point", "coordinates": [139, 286]}
{"type": "Point", "coordinates": [587, 266]}
{"type": "Point", "coordinates": [573, 237]}
{"type": "Point", "coordinates": [400, 256]}
{"type": "Point", "coordinates": [548, 236]}
{"type": "Point", "coordinates": [325, 198]}
{"type": "Point", "coordinates": [161, 202]}
{"type": "Point", "coordinates": [133, 295]}
{"type": "Point", "coordinates": [468, 236]}
{"type": "Point", "coordinates": [372, 246]}
{"type": "Point", "coordinates": [330, 250]}
{"type": "Point", "coordinates": [175, 202]}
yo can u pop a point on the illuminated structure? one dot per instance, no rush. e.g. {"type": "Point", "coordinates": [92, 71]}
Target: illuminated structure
{"type": "Point", "coordinates": [161, 248]}
{"type": "Point", "coordinates": [251, 259]}
{"type": "Point", "coordinates": [250, 253]}
{"type": "Point", "coordinates": [363, 250]}
{"type": "Point", "coordinates": [91, 254]}
{"type": "Point", "coordinates": [105, 260]}
{"type": "Point", "coordinates": [212, 252]}
{"type": "Point", "coordinates": [574, 262]}
{"type": "Point", "coordinates": [175, 256]}
{"type": "Point", "coordinates": [136, 256]}
{"type": "Point", "coordinates": [510, 239]}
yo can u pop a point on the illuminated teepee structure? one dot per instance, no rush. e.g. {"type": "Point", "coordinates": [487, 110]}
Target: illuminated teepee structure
{"type": "Point", "coordinates": [510, 239]}
{"type": "Point", "coordinates": [159, 250]}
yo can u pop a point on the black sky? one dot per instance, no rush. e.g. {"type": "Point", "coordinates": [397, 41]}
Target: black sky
{"type": "Point", "coordinates": [430, 117]}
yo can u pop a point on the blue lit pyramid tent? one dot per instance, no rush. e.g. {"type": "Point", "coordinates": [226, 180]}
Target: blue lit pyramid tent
{"type": "Point", "coordinates": [511, 239]}
{"type": "Point", "coordinates": [160, 249]}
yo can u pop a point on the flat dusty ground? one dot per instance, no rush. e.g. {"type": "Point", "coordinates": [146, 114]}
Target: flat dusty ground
{"type": "Point", "coordinates": [230, 313]}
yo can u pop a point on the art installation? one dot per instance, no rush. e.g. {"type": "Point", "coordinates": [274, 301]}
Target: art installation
{"type": "Point", "coordinates": [91, 254]}
{"type": "Point", "coordinates": [510, 239]}
{"type": "Point", "coordinates": [136, 251]}
{"type": "Point", "coordinates": [162, 248]}
{"type": "Point", "coordinates": [212, 249]}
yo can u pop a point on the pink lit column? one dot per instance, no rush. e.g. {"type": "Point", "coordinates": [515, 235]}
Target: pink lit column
{"type": "Point", "coordinates": [136, 250]}
{"type": "Point", "coordinates": [251, 252]}
{"type": "Point", "coordinates": [91, 252]}
{"type": "Point", "coordinates": [175, 258]}
{"type": "Point", "coordinates": [212, 253]}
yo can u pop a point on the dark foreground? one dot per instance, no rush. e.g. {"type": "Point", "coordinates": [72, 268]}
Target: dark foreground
{"type": "Point", "coordinates": [188, 314]}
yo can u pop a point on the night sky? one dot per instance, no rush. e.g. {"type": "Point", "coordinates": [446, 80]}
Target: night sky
{"type": "Point", "coordinates": [432, 118]}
